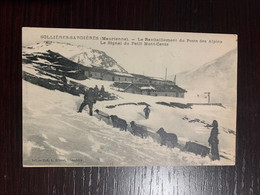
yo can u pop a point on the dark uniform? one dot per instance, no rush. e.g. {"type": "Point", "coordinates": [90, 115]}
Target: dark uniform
{"type": "Point", "coordinates": [213, 141]}
{"type": "Point", "coordinates": [96, 91]}
{"type": "Point", "coordinates": [102, 92]}
{"type": "Point", "coordinates": [89, 99]}
{"type": "Point", "coordinates": [147, 112]}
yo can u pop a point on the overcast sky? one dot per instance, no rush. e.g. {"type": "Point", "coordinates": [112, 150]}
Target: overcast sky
{"type": "Point", "coordinates": [149, 60]}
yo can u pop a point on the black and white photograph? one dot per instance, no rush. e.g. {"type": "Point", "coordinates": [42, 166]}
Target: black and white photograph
{"type": "Point", "coordinates": [128, 98]}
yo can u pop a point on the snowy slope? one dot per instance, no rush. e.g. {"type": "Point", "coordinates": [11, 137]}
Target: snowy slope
{"type": "Point", "coordinates": [85, 56]}
{"type": "Point", "coordinates": [54, 133]}
{"type": "Point", "coordinates": [218, 77]}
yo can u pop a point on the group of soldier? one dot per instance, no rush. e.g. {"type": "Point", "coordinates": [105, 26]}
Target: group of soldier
{"type": "Point", "coordinates": [92, 95]}
{"type": "Point", "coordinates": [90, 98]}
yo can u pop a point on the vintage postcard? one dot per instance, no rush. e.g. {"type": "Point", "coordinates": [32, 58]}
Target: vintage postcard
{"type": "Point", "coordinates": [128, 98]}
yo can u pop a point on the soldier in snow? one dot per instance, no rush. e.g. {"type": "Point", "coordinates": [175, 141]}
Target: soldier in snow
{"type": "Point", "coordinates": [90, 100]}
{"type": "Point", "coordinates": [96, 91]}
{"type": "Point", "coordinates": [102, 92]}
{"type": "Point", "coordinates": [147, 111]}
{"type": "Point", "coordinates": [213, 141]}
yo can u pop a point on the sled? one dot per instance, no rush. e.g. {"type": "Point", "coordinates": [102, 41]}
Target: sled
{"type": "Point", "coordinates": [196, 148]}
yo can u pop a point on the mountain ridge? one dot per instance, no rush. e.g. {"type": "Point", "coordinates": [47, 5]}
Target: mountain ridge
{"type": "Point", "coordinates": [218, 76]}
{"type": "Point", "coordinates": [92, 57]}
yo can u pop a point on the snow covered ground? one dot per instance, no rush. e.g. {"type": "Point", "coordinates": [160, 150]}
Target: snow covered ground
{"type": "Point", "coordinates": [55, 134]}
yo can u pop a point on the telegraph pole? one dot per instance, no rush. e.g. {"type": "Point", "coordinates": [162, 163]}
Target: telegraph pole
{"type": "Point", "coordinates": [174, 80]}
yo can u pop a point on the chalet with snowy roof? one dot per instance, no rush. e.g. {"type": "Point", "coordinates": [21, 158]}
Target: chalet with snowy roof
{"type": "Point", "coordinates": [169, 90]}
{"type": "Point", "coordinates": [118, 77]}
{"type": "Point", "coordinates": [135, 83]}
{"type": "Point", "coordinates": [103, 74]}
{"type": "Point", "coordinates": [94, 72]}
{"type": "Point", "coordinates": [141, 78]}
{"type": "Point", "coordinates": [151, 89]}
{"type": "Point", "coordinates": [160, 81]}
{"type": "Point", "coordinates": [148, 90]}
{"type": "Point", "coordinates": [133, 88]}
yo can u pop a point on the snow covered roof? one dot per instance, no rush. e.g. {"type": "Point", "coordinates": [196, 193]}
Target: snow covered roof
{"type": "Point", "coordinates": [159, 88]}
{"type": "Point", "coordinates": [122, 74]}
{"type": "Point", "coordinates": [102, 70]}
{"type": "Point", "coordinates": [157, 78]}
{"type": "Point", "coordinates": [141, 76]}
{"type": "Point", "coordinates": [160, 79]}
{"type": "Point", "coordinates": [147, 88]}
{"type": "Point", "coordinates": [132, 85]}
{"type": "Point", "coordinates": [169, 88]}
{"type": "Point", "coordinates": [98, 69]}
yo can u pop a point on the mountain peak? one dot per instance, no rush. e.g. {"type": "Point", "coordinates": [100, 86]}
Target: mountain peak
{"type": "Point", "coordinates": [79, 54]}
{"type": "Point", "coordinates": [97, 58]}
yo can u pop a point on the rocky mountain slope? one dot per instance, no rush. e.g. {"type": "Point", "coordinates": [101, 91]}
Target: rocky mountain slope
{"type": "Point", "coordinates": [78, 54]}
